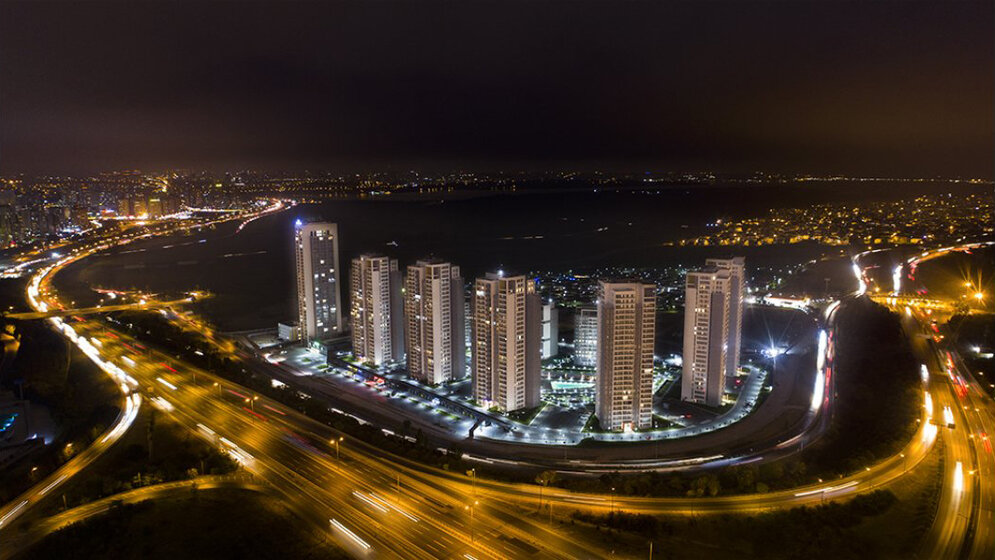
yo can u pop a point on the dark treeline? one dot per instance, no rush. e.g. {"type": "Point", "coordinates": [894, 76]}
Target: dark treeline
{"type": "Point", "coordinates": [81, 399]}
{"type": "Point", "coordinates": [878, 392]}
{"type": "Point", "coordinates": [823, 531]}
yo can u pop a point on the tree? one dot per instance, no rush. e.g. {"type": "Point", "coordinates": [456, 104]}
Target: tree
{"type": "Point", "coordinates": [545, 478]}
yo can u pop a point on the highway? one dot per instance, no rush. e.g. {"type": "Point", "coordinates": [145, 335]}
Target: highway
{"type": "Point", "coordinates": [376, 504]}
{"type": "Point", "coordinates": [294, 453]}
{"type": "Point", "coordinates": [37, 294]}
{"type": "Point", "coordinates": [357, 490]}
{"type": "Point", "coordinates": [964, 527]}
{"type": "Point", "coordinates": [55, 312]}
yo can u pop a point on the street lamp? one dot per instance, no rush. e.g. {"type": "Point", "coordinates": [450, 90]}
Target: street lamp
{"type": "Point", "coordinates": [336, 443]}
{"type": "Point", "coordinates": [471, 507]}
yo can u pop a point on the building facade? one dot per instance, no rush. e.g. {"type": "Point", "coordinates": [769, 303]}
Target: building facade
{"type": "Point", "coordinates": [586, 336]}
{"type": "Point", "coordinates": [707, 295]}
{"type": "Point", "coordinates": [550, 330]}
{"type": "Point", "coordinates": [626, 325]}
{"type": "Point", "coordinates": [319, 314]}
{"type": "Point", "coordinates": [377, 310]}
{"type": "Point", "coordinates": [506, 342]}
{"type": "Point", "coordinates": [434, 316]}
{"type": "Point", "coordinates": [737, 268]}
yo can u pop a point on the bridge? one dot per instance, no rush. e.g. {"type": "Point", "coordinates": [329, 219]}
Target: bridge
{"type": "Point", "coordinates": [34, 315]}
{"type": "Point", "coordinates": [914, 301]}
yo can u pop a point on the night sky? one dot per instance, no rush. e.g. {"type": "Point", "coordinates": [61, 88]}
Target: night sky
{"type": "Point", "coordinates": [900, 89]}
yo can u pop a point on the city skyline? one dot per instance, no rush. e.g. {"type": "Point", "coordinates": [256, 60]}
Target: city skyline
{"type": "Point", "coordinates": [497, 280]}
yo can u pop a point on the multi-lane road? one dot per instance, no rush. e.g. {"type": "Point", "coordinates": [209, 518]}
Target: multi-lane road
{"type": "Point", "coordinates": [964, 526]}
{"type": "Point", "coordinates": [376, 504]}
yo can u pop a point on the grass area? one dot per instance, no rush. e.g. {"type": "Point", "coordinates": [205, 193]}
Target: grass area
{"type": "Point", "coordinates": [215, 524]}
{"type": "Point", "coordinates": [907, 522]}
{"type": "Point", "coordinates": [976, 332]}
{"type": "Point", "coordinates": [526, 415]}
{"type": "Point", "coordinates": [716, 410]}
{"type": "Point", "coordinates": [177, 454]}
{"type": "Point", "coordinates": [878, 392]}
{"type": "Point", "coordinates": [661, 423]}
{"type": "Point", "coordinates": [593, 425]}
{"type": "Point", "coordinates": [671, 390]}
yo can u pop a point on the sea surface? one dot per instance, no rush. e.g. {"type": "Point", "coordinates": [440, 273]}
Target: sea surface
{"type": "Point", "coordinates": [250, 271]}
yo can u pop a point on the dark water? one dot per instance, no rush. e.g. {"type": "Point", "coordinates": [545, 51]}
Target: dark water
{"type": "Point", "coordinates": [251, 272]}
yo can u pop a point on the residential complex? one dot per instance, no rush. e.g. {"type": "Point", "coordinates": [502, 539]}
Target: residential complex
{"type": "Point", "coordinates": [434, 316]}
{"type": "Point", "coordinates": [377, 309]}
{"type": "Point", "coordinates": [929, 219]}
{"type": "Point", "coordinates": [506, 342]}
{"type": "Point", "coordinates": [319, 314]}
{"type": "Point", "coordinates": [626, 320]}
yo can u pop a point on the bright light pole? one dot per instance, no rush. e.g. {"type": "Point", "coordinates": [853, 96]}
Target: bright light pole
{"type": "Point", "coordinates": [336, 443]}
{"type": "Point", "coordinates": [470, 507]}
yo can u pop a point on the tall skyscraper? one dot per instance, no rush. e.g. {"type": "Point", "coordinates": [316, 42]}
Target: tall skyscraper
{"type": "Point", "coordinates": [433, 311]}
{"type": "Point", "coordinates": [550, 330]}
{"type": "Point", "coordinates": [736, 268]}
{"type": "Point", "coordinates": [506, 340]}
{"type": "Point", "coordinates": [586, 336]}
{"type": "Point", "coordinates": [377, 310]}
{"type": "Point", "coordinates": [626, 329]}
{"type": "Point", "coordinates": [706, 333]}
{"type": "Point", "coordinates": [319, 314]}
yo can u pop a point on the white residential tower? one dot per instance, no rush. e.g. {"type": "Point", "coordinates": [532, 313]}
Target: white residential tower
{"type": "Point", "coordinates": [434, 316]}
{"type": "Point", "coordinates": [506, 341]}
{"type": "Point", "coordinates": [626, 328]}
{"type": "Point", "coordinates": [377, 310]}
{"type": "Point", "coordinates": [319, 313]}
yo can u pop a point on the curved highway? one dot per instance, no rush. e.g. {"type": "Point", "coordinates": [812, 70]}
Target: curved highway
{"type": "Point", "coordinates": [380, 505]}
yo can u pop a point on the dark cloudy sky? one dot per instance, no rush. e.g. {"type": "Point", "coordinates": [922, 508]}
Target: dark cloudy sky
{"type": "Point", "coordinates": [898, 88]}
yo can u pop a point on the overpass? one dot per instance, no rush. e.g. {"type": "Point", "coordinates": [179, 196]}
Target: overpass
{"type": "Point", "coordinates": [34, 315]}
{"type": "Point", "coordinates": [914, 301]}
